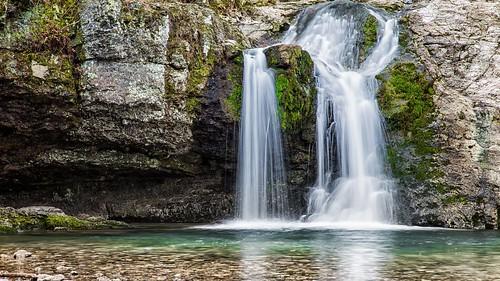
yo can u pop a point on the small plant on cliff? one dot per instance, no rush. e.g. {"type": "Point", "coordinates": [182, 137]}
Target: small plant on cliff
{"type": "Point", "coordinates": [53, 24]}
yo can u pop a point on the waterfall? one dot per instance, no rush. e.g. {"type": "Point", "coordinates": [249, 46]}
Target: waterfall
{"type": "Point", "coordinates": [261, 175]}
{"type": "Point", "coordinates": [352, 184]}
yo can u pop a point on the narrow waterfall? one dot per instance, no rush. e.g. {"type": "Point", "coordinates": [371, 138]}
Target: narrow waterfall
{"type": "Point", "coordinates": [261, 175]}
{"type": "Point", "coordinates": [352, 184]}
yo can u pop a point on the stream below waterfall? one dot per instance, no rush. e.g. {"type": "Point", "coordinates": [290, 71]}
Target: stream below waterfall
{"type": "Point", "coordinates": [176, 252]}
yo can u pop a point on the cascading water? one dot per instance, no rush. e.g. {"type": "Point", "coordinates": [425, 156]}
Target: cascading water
{"type": "Point", "coordinates": [350, 129]}
{"type": "Point", "coordinates": [352, 185]}
{"type": "Point", "coordinates": [261, 174]}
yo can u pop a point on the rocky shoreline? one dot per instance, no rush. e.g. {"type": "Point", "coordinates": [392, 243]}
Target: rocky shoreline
{"type": "Point", "coordinates": [44, 218]}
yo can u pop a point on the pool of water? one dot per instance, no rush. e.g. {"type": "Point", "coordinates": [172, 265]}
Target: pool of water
{"type": "Point", "coordinates": [288, 252]}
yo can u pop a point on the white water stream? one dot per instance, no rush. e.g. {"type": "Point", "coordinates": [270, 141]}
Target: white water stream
{"type": "Point", "coordinates": [261, 172]}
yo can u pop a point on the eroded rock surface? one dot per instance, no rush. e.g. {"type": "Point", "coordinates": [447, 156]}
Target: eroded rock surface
{"type": "Point", "coordinates": [458, 43]}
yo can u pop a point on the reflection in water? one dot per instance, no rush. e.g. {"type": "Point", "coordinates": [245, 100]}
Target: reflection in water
{"type": "Point", "coordinates": [346, 255]}
{"type": "Point", "coordinates": [361, 257]}
{"type": "Point", "coordinates": [253, 258]}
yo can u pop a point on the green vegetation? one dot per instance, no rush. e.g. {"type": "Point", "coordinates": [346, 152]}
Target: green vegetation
{"type": "Point", "coordinates": [53, 24]}
{"type": "Point", "coordinates": [230, 6]}
{"type": "Point", "coordinates": [40, 25]}
{"type": "Point", "coordinates": [12, 221]}
{"type": "Point", "coordinates": [234, 100]}
{"type": "Point", "coordinates": [295, 85]}
{"type": "Point", "coordinates": [370, 27]}
{"type": "Point", "coordinates": [192, 104]}
{"type": "Point", "coordinates": [53, 221]}
{"type": "Point", "coordinates": [406, 100]}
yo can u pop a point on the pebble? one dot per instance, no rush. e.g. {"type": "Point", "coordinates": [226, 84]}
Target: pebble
{"type": "Point", "coordinates": [22, 255]}
{"type": "Point", "coordinates": [47, 277]}
{"type": "Point", "coordinates": [62, 269]}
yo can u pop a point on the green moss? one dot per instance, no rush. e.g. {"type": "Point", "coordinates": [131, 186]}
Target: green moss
{"type": "Point", "coordinates": [192, 104]}
{"type": "Point", "coordinates": [7, 229]}
{"type": "Point", "coordinates": [406, 100]}
{"type": "Point", "coordinates": [69, 222]}
{"type": "Point", "coordinates": [139, 14]}
{"type": "Point", "coordinates": [226, 7]}
{"type": "Point", "coordinates": [13, 221]}
{"type": "Point", "coordinates": [53, 24]}
{"type": "Point", "coordinates": [370, 27]}
{"type": "Point", "coordinates": [59, 78]}
{"type": "Point", "coordinates": [455, 199]}
{"type": "Point", "coordinates": [295, 85]}
{"type": "Point", "coordinates": [234, 100]}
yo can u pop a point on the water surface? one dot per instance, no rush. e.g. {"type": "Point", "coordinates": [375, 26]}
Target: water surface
{"type": "Point", "coordinates": [180, 252]}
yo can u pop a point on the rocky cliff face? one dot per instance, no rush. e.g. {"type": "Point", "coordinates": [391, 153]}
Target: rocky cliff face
{"type": "Point", "coordinates": [135, 117]}
{"type": "Point", "coordinates": [129, 109]}
{"type": "Point", "coordinates": [130, 123]}
{"type": "Point", "coordinates": [458, 43]}
{"type": "Point", "coordinates": [441, 102]}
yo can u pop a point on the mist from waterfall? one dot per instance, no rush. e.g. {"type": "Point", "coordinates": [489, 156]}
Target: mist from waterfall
{"type": "Point", "coordinates": [261, 181]}
{"type": "Point", "coordinates": [352, 184]}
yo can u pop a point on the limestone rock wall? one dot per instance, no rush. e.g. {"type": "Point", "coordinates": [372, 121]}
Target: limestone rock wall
{"type": "Point", "coordinates": [458, 43]}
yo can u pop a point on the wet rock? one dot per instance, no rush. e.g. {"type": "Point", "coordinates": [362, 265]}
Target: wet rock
{"type": "Point", "coordinates": [21, 255]}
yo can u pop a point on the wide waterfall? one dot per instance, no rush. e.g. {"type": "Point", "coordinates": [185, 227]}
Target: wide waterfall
{"type": "Point", "coordinates": [261, 174]}
{"type": "Point", "coordinates": [352, 184]}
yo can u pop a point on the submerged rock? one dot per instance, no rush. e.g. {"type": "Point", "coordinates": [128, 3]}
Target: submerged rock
{"type": "Point", "coordinates": [21, 255]}
{"type": "Point", "coordinates": [47, 277]}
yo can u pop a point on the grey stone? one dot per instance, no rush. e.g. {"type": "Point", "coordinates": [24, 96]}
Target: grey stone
{"type": "Point", "coordinates": [107, 37]}
{"type": "Point", "coordinates": [40, 211]}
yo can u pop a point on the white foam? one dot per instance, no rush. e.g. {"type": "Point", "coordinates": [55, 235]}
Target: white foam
{"type": "Point", "coordinates": [271, 225]}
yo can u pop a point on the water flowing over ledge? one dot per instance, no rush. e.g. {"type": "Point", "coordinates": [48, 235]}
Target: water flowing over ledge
{"type": "Point", "coordinates": [261, 171]}
{"type": "Point", "coordinates": [353, 185]}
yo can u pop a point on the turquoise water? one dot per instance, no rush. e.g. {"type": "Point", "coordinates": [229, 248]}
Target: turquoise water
{"type": "Point", "coordinates": [179, 252]}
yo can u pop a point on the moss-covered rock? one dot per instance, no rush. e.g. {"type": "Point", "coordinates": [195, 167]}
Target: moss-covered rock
{"type": "Point", "coordinates": [234, 100]}
{"type": "Point", "coordinates": [40, 25]}
{"type": "Point", "coordinates": [48, 218]}
{"type": "Point", "coordinates": [369, 38]}
{"type": "Point", "coordinates": [296, 94]}
{"type": "Point", "coordinates": [295, 85]}
{"type": "Point", "coordinates": [406, 100]}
